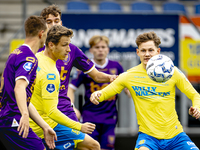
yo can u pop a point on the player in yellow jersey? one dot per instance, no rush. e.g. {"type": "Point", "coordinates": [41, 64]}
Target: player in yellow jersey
{"type": "Point", "coordinates": [159, 127]}
{"type": "Point", "coordinates": [46, 90]}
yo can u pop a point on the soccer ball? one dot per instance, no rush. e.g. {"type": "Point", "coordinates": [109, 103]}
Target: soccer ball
{"type": "Point", "coordinates": [160, 68]}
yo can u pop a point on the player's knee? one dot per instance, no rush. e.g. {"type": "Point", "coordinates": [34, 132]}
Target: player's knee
{"type": "Point", "coordinates": [95, 145]}
{"type": "Point", "coordinates": [143, 148]}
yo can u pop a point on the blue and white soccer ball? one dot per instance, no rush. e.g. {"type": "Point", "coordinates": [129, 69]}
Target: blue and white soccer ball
{"type": "Point", "coordinates": [160, 68]}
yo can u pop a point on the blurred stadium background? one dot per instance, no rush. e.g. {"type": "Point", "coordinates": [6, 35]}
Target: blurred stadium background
{"type": "Point", "coordinates": [177, 22]}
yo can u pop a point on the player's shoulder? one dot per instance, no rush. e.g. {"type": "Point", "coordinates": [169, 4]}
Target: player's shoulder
{"type": "Point", "coordinates": [135, 69]}
{"type": "Point", "coordinates": [115, 63]}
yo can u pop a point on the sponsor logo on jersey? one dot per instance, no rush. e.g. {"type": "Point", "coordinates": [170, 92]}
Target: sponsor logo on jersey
{"type": "Point", "coordinates": [51, 76]}
{"type": "Point", "coordinates": [148, 91]}
{"type": "Point", "coordinates": [27, 66]}
{"type": "Point", "coordinates": [50, 88]}
{"type": "Point", "coordinates": [67, 145]}
{"type": "Point", "coordinates": [75, 131]}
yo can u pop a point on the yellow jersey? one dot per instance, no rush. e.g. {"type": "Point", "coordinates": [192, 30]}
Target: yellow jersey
{"type": "Point", "coordinates": [45, 96]}
{"type": "Point", "coordinates": [154, 102]}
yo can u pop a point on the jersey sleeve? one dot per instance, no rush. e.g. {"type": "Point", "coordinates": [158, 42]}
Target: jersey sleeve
{"type": "Point", "coordinates": [77, 78]}
{"type": "Point", "coordinates": [81, 61]}
{"type": "Point", "coordinates": [25, 67]}
{"type": "Point", "coordinates": [120, 68]}
{"type": "Point", "coordinates": [113, 88]}
{"type": "Point", "coordinates": [186, 87]}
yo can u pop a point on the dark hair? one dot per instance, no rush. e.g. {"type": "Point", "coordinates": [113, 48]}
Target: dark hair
{"type": "Point", "coordinates": [148, 36]}
{"type": "Point", "coordinates": [33, 25]}
{"type": "Point", "coordinates": [56, 32]}
{"type": "Point", "coordinates": [52, 9]}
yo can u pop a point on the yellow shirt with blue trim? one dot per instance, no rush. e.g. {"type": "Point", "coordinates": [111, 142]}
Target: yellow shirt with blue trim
{"type": "Point", "coordinates": [45, 96]}
{"type": "Point", "coordinates": [154, 102]}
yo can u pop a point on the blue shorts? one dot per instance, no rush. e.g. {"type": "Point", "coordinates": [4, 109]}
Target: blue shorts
{"type": "Point", "coordinates": [67, 138]}
{"type": "Point", "coordinates": [105, 135]}
{"type": "Point", "coordinates": [11, 140]}
{"type": "Point", "coordinates": [179, 142]}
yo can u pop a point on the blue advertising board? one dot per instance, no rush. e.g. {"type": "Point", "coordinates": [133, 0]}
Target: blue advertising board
{"type": "Point", "coordinates": [122, 30]}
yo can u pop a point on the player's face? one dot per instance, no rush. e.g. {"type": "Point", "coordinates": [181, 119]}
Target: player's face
{"type": "Point", "coordinates": [100, 51]}
{"type": "Point", "coordinates": [61, 50]}
{"type": "Point", "coordinates": [52, 20]}
{"type": "Point", "coordinates": [147, 50]}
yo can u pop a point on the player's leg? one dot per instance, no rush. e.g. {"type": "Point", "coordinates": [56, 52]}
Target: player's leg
{"type": "Point", "coordinates": [88, 144]}
{"type": "Point", "coordinates": [108, 137]}
{"type": "Point", "coordinates": [11, 140]}
{"type": "Point", "coordinates": [183, 142]}
{"type": "Point", "coordinates": [146, 142]}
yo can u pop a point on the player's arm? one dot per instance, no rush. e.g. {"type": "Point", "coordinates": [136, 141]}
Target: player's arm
{"type": "Point", "coordinates": [101, 77]}
{"type": "Point", "coordinates": [20, 95]}
{"type": "Point", "coordinates": [186, 87]}
{"type": "Point", "coordinates": [112, 89]}
{"type": "Point", "coordinates": [50, 107]}
{"type": "Point", "coordinates": [71, 95]}
{"type": "Point", "coordinates": [49, 133]}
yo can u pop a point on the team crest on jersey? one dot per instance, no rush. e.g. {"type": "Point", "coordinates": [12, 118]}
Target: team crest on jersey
{"type": "Point", "coordinates": [141, 142]}
{"type": "Point", "coordinates": [111, 139]}
{"type": "Point", "coordinates": [50, 88]}
{"type": "Point", "coordinates": [67, 59]}
{"type": "Point", "coordinates": [14, 123]}
{"type": "Point", "coordinates": [113, 71]}
{"type": "Point", "coordinates": [27, 66]}
{"type": "Point", "coordinates": [51, 76]}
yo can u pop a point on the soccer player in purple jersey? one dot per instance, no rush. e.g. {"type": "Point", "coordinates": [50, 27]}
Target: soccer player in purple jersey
{"type": "Point", "coordinates": [104, 115]}
{"type": "Point", "coordinates": [17, 85]}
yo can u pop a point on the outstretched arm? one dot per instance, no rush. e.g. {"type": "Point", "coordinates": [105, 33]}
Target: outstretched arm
{"type": "Point", "coordinates": [49, 133]}
{"type": "Point", "coordinates": [101, 77]}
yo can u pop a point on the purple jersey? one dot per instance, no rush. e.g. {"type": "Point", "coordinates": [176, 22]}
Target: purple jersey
{"type": "Point", "coordinates": [106, 111]}
{"type": "Point", "coordinates": [21, 63]}
{"type": "Point", "coordinates": [75, 58]}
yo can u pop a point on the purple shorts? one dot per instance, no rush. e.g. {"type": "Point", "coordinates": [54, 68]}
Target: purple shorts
{"type": "Point", "coordinates": [105, 135]}
{"type": "Point", "coordinates": [11, 140]}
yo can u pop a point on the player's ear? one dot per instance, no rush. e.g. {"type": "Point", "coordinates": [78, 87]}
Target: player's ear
{"type": "Point", "coordinates": [158, 50]}
{"type": "Point", "coordinates": [60, 22]}
{"type": "Point", "coordinates": [51, 45]}
{"type": "Point", "coordinates": [40, 34]}
{"type": "Point", "coordinates": [137, 51]}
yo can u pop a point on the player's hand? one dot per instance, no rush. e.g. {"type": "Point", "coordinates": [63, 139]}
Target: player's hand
{"type": "Point", "coordinates": [94, 97]}
{"type": "Point", "coordinates": [50, 136]}
{"type": "Point", "coordinates": [113, 77]}
{"type": "Point", "coordinates": [24, 126]}
{"type": "Point", "coordinates": [88, 128]}
{"type": "Point", "coordinates": [194, 112]}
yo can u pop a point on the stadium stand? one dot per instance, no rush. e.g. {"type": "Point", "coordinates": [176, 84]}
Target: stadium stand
{"type": "Point", "coordinates": [109, 6]}
{"type": "Point", "coordinates": [197, 9]}
{"type": "Point", "coordinates": [142, 6]}
{"type": "Point", "coordinates": [174, 7]}
{"type": "Point", "coordinates": [74, 6]}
